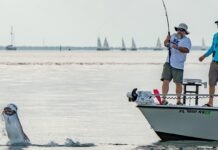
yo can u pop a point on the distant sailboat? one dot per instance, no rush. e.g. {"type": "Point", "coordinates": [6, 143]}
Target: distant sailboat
{"type": "Point", "coordinates": [133, 48]}
{"type": "Point", "coordinates": [99, 46]}
{"type": "Point", "coordinates": [158, 45]}
{"type": "Point", "coordinates": [106, 45]}
{"type": "Point", "coordinates": [11, 46]}
{"type": "Point", "coordinates": [203, 46]}
{"type": "Point", "coordinates": [123, 45]}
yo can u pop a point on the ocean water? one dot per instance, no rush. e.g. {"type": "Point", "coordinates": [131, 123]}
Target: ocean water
{"type": "Point", "coordinates": [77, 99]}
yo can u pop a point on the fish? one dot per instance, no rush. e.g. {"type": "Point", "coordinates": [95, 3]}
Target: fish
{"type": "Point", "coordinates": [13, 126]}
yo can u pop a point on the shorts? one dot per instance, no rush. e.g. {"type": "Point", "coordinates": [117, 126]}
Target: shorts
{"type": "Point", "coordinates": [170, 73]}
{"type": "Point", "coordinates": [213, 74]}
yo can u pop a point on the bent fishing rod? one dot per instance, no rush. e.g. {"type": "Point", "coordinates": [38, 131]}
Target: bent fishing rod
{"type": "Point", "coordinates": [168, 26]}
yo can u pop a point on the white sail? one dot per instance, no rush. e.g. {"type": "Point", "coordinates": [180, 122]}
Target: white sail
{"type": "Point", "coordinates": [11, 46]}
{"type": "Point", "coordinates": [158, 45]}
{"type": "Point", "coordinates": [133, 45]}
{"type": "Point", "coordinates": [106, 45]}
{"type": "Point", "coordinates": [99, 46]}
{"type": "Point", "coordinates": [12, 36]}
{"type": "Point", "coordinates": [203, 46]}
{"type": "Point", "coordinates": [123, 45]}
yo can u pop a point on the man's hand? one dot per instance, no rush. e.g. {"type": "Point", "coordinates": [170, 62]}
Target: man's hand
{"type": "Point", "coordinates": [167, 38]}
{"type": "Point", "coordinates": [174, 46]}
{"type": "Point", "coordinates": [167, 41]}
{"type": "Point", "coordinates": [201, 58]}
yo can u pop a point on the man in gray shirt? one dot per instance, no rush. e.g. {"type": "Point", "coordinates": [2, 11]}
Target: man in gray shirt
{"type": "Point", "coordinates": [173, 68]}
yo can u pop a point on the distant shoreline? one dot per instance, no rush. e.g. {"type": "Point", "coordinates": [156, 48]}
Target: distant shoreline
{"type": "Point", "coordinates": [69, 48]}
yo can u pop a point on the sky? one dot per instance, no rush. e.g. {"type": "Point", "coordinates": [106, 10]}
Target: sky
{"type": "Point", "coordinates": [80, 22]}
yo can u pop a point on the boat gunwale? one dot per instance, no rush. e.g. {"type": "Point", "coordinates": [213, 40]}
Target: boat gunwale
{"type": "Point", "coordinates": [177, 107]}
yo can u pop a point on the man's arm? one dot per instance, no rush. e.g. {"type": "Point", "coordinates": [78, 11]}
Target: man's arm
{"type": "Point", "coordinates": [184, 46]}
{"type": "Point", "coordinates": [183, 49]}
{"type": "Point", "coordinates": [209, 51]}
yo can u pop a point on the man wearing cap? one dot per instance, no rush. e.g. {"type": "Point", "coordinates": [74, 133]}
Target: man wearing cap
{"type": "Point", "coordinates": [213, 72]}
{"type": "Point", "coordinates": [179, 45]}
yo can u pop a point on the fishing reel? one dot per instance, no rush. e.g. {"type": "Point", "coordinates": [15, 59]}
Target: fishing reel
{"type": "Point", "coordinates": [132, 96]}
{"type": "Point", "coordinates": [141, 97]}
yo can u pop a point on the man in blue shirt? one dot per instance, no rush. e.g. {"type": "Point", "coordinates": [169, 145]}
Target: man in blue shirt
{"type": "Point", "coordinates": [213, 72]}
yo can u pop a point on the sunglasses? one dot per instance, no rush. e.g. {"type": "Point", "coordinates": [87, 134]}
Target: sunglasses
{"type": "Point", "coordinates": [181, 30]}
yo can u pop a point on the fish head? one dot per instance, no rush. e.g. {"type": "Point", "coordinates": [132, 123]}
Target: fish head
{"type": "Point", "coordinates": [10, 110]}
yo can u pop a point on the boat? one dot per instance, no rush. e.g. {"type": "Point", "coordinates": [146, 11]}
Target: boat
{"type": "Point", "coordinates": [203, 46]}
{"type": "Point", "coordinates": [11, 46]}
{"type": "Point", "coordinates": [99, 46]}
{"type": "Point", "coordinates": [123, 48]}
{"type": "Point", "coordinates": [106, 45]}
{"type": "Point", "coordinates": [158, 45]}
{"type": "Point", "coordinates": [133, 48]}
{"type": "Point", "coordinates": [178, 122]}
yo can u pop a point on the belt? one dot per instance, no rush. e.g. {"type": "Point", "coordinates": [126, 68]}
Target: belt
{"type": "Point", "coordinates": [215, 61]}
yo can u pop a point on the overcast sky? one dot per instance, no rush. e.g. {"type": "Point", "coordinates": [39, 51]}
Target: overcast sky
{"type": "Point", "coordinates": [80, 22]}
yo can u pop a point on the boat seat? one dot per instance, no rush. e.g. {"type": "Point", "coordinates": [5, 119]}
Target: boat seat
{"type": "Point", "coordinates": [191, 82]}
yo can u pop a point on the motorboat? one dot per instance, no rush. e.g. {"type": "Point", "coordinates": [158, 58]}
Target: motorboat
{"type": "Point", "coordinates": [178, 122]}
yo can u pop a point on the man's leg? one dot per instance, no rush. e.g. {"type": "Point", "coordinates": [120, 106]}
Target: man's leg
{"type": "Point", "coordinates": [178, 92]}
{"type": "Point", "coordinates": [165, 88]}
{"type": "Point", "coordinates": [213, 77]}
{"type": "Point", "coordinates": [166, 78]}
{"type": "Point", "coordinates": [211, 93]}
{"type": "Point", "coordinates": [178, 79]}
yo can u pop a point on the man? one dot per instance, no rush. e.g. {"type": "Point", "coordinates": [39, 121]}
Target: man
{"type": "Point", "coordinates": [213, 72]}
{"type": "Point", "coordinates": [179, 45]}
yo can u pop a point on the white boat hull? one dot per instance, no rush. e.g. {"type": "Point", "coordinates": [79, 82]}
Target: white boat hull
{"type": "Point", "coordinates": [182, 122]}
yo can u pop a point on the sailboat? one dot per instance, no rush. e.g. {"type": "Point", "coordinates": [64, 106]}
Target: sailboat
{"type": "Point", "coordinates": [203, 46]}
{"type": "Point", "coordinates": [123, 45]}
{"type": "Point", "coordinates": [11, 46]}
{"type": "Point", "coordinates": [99, 46]}
{"type": "Point", "coordinates": [133, 48]}
{"type": "Point", "coordinates": [158, 45]}
{"type": "Point", "coordinates": [106, 45]}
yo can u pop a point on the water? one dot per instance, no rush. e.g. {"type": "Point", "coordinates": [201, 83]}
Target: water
{"type": "Point", "coordinates": [80, 96]}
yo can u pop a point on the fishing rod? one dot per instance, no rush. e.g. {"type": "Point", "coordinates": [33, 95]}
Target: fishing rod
{"type": "Point", "coordinates": [168, 25]}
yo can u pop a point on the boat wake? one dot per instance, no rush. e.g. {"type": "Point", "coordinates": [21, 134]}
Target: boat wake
{"type": "Point", "coordinates": [180, 145]}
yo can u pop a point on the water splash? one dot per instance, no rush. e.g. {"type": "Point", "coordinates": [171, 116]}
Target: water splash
{"type": "Point", "coordinates": [68, 143]}
{"type": "Point", "coordinates": [52, 144]}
